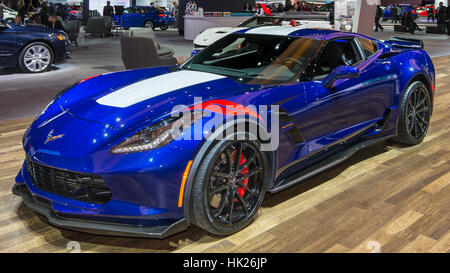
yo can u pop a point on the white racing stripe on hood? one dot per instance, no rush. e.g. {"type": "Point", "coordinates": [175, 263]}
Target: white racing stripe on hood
{"type": "Point", "coordinates": [156, 86]}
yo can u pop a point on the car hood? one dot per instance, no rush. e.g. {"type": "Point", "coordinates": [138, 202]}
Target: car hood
{"type": "Point", "coordinates": [136, 98]}
{"type": "Point", "coordinates": [34, 29]}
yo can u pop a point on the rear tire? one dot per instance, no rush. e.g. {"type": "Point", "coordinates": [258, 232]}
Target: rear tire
{"type": "Point", "coordinates": [35, 57]}
{"type": "Point", "coordinates": [415, 113]}
{"type": "Point", "coordinates": [222, 201]}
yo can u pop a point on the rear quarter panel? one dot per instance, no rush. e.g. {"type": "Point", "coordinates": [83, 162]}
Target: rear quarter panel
{"type": "Point", "coordinates": [409, 65]}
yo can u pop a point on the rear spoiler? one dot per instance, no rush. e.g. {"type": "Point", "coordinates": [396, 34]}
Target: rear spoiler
{"type": "Point", "coordinates": [399, 43]}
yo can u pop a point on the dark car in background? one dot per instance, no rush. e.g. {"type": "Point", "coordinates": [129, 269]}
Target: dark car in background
{"type": "Point", "coordinates": [75, 12]}
{"type": "Point", "coordinates": [148, 17]}
{"type": "Point", "coordinates": [31, 48]}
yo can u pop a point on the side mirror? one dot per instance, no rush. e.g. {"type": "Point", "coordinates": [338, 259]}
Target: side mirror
{"type": "Point", "coordinates": [341, 72]}
{"type": "Point", "coordinates": [194, 52]}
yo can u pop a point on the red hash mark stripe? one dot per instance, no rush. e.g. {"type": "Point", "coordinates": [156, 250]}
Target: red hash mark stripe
{"type": "Point", "coordinates": [225, 107]}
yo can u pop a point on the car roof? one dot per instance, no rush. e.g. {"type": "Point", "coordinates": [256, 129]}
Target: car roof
{"type": "Point", "coordinates": [311, 33]}
{"type": "Point", "coordinates": [315, 33]}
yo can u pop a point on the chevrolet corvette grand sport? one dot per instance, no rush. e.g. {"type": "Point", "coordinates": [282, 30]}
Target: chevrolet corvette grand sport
{"type": "Point", "coordinates": [147, 152]}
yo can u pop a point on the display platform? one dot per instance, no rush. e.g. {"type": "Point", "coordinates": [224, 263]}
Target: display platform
{"type": "Point", "coordinates": [194, 25]}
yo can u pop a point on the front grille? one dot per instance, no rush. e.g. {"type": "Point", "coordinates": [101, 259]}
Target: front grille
{"type": "Point", "coordinates": [83, 187]}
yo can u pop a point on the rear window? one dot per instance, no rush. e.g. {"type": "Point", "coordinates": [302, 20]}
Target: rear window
{"type": "Point", "coordinates": [369, 47]}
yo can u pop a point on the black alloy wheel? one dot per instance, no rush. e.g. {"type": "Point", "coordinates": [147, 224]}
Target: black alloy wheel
{"type": "Point", "coordinates": [415, 114]}
{"type": "Point", "coordinates": [229, 187]}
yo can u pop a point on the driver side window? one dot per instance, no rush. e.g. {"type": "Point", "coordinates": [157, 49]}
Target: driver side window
{"type": "Point", "coordinates": [336, 53]}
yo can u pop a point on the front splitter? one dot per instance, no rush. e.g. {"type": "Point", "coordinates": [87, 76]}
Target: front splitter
{"type": "Point", "coordinates": [98, 228]}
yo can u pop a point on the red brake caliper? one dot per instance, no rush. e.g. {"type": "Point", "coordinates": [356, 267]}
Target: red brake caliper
{"type": "Point", "coordinates": [241, 190]}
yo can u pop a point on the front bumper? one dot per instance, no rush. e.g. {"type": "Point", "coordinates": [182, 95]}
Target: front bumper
{"type": "Point", "coordinates": [41, 206]}
{"type": "Point", "coordinates": [62, 50]}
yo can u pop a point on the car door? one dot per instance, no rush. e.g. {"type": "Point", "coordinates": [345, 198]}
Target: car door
{"type": "Point", "coordinates": [132, 17]}
{"type": "Point", "coordinates": [352, 105]}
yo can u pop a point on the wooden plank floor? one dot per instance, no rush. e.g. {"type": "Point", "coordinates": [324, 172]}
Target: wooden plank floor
{"type": "Point", "coordinates": [388, 197]}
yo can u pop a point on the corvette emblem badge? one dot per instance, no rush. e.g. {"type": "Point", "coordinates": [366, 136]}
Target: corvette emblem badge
{"type": "Point", "coordinates": [50, 137]}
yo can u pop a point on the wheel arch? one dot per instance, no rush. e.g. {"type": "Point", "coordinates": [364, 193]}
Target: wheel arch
{"type": "Point", "coordinates": [149, 20]}
{"type": "Point", "coordinates": [421, 77]}
{"type": "Point", "coordinates": [206, 146]}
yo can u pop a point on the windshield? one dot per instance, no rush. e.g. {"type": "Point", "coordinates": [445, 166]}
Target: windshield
{"type": "Point", "coordinates": [257, 59]}
{"type": "Point", "coordinates": [262, 21]}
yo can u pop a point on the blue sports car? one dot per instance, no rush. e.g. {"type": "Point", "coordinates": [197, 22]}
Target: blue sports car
{"type": "Point", "coordinates": [147, 152]}
{"type": "Point", "coordinates": [148, 17]}
{"type": "Point", "coordinates": [33, 49]}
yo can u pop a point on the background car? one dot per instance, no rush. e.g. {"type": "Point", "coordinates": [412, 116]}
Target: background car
{"type": "Point", "coordinates": [423, 11]}
{"type": "Point", "coordinates": [31, 48]}
{"type": "Point", "coordinates": [148, 17]}
{"type": "Point", "coordinates": [211, 35]}
{"type": "Point", "coordinates": [75, 12]}
{"type": "Point", "coordinates": [387, 12]}
{"type": "Point", "coordinates": [136, 153]}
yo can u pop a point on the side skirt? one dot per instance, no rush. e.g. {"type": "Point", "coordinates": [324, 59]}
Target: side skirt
{"type": "Point", "coordinates": [325, 164]}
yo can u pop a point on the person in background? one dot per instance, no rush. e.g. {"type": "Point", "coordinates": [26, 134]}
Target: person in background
{"type": "Point", "coordinates": [378, 15]}
{"type": "Point", "coordinates": [441, 16]}
{"type": "Point", "coordinates": [259, 10]}
{"type": "Point", "coordinates": [21, 9]}
{"type": "Point", "coordinates": [394, 14]}
{"type": "Point", "coordinates": [44, 12]}
{"type": "Point", "coordinates": [247, 7]}
{"type": "Point", "coordinates": [409, 21]}
{"type": "Point", "coordinates": [174, 8]}
{"type": "Point", "coordinates": [288, 5]}
{"type": "Point", "coordinates": [447, 20]}
{"type": "Point", "coordinates": [430, 13]}
{"type": "Point", "coordinates": [51, 8]}
{"type": "Point", "coordinates": [280, 8]}
{"type": "Point", "coordinates": [108, 10]}
{"type": "Point", "coordinates": [18, 20]}
{"type": "Point", "coordinates": [54, 23]}
{"type": "Point", "coordinates": [399, 13]}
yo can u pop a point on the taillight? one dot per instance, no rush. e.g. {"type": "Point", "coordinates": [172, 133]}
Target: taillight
{"type": "Point", "coordinates": [162, 15]}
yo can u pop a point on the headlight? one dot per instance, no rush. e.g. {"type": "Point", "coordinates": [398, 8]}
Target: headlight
{"type": "Point", "coordinates": [158, 134]}
{"type": "Point", "coordinates": [62, 37]}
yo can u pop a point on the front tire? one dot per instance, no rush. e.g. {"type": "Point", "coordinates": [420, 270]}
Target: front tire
{"type": "Point", "coordinates": [227, 192]}
{"type": "Point", "coordinates": [415, 113]}
{"type": "Point", "coordinates": [35, 58]}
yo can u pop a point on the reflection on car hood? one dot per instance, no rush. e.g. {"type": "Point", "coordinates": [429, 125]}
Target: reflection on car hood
{"type": "Point", "coordinates": [131, 98]}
